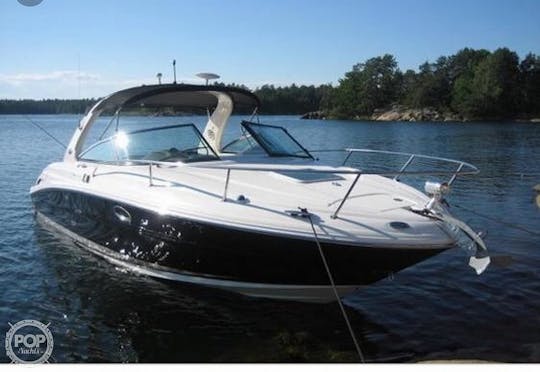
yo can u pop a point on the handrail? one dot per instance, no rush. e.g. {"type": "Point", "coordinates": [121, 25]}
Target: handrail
{"type": "Point", "coordinates": [463, 168]}
{"type": "Point", "coordinates": [353, 150]}
{"type": "Point", "coordinates": [407, 163]}
{"type": "Point", "coordinates": [411, 157]}
{"type": "Point", "coordinates": [409, 154]}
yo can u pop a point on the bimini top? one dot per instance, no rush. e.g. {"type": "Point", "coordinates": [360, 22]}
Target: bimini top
{"type": "Point", "coordinates": [183, 95]}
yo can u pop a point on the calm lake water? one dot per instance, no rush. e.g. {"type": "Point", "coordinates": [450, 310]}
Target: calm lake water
{"type": "Point", "coordinates": [438, 309]}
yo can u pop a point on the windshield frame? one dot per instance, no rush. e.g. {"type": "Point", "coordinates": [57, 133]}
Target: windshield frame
{"type": "Point", "coordinates": [271, 152]}
{"type": "Point", "coordinates": [127, 161]}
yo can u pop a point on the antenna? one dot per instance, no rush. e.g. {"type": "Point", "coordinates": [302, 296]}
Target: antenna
{"type": "Point", "coordinates": [79, 84]}
{"type": "Point", "coordinates": [79, 76]}
{"type": "Point", "coordinates": [207, 76]}
{"type": "Point", "coordinates": [159, 76]}
{"type": "Point", "coordinates": [174, 70]}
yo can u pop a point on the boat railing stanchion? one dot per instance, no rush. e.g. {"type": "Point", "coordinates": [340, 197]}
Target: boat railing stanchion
{"type": "Point", "coordinates": [454, 176]}
{"type": "Point", "coordinates": [347, 157]}
{"type": "Point", "coordinates": [150, 176]}
{"type": "Point", "coordinates": [335, 215]}
{"type": "Point", "coordinates": [407, 163]}
{"type": "Point", "coordinates": [226, 184]}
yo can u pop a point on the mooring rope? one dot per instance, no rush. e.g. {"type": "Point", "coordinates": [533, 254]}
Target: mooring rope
{"type": "Point", "coordinates": [306, 214]}
{"type": "Point", "coordinates": [502, 222]}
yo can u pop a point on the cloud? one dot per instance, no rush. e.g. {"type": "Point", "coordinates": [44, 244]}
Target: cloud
{"type": "Point", "coordinates": [64, 84]}
{"type": "Point", "coordinates": [66, 75]}
{"type": "Point", "coordinates": [85, 84]}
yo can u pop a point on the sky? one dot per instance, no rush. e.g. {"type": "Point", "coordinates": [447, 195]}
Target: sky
{"type": "Point", "coordinates": [90, 48]}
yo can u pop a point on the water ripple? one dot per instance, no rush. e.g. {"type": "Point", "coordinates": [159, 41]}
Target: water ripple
{"type": "Point", "coordinates": [438, 309]}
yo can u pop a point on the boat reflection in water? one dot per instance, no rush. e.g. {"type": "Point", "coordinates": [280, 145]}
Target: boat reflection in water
{"type": "Point", "coordinates": [105, 315]}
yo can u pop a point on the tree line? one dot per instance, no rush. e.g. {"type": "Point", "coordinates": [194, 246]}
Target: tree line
{"type": "Point", "coordinates": [274, 100]}
{"type": "Point", "coordinates": [45, 106]}
{"type": "Point", "coordinates": [473, 84]}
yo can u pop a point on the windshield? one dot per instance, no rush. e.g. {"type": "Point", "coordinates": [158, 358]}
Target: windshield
{"type": "Point", "coordinates": [276, 141]}
{"type": "Point", "coordinates": [174, 143]}
{"type": "Point", "coordinates": [243, 145]}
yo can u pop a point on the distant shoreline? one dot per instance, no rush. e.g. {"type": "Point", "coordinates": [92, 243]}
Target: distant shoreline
{"type": "Point", "coordinates": [384, 119]}
{"type": "Point", "coordinates": [399, 113]}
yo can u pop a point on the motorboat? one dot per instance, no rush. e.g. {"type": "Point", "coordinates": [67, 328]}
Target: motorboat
{"type": "Point", "coordinates": [261, 215]}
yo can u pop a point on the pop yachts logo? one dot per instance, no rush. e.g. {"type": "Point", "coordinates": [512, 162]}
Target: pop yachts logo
{"type": "Point", "coordinates": [29, 341]}
{"type": "Point", "coordinates": [29, 2]}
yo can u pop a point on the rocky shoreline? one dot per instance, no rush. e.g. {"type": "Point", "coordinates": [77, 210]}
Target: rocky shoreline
{"type": "Point", "coordinates": [401, 113]}
{"type": "Point", "coordinates": [315, 115]}
{"type": "Point", "coordinates": [405, 114]}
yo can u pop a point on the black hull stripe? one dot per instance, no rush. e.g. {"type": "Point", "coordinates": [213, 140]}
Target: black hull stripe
{"type": "Point", "coordinates": [198, 249]}
{"type": "Point", "coordinates": [304, 293]}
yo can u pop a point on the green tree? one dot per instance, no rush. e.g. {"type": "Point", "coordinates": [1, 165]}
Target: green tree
{"type": "Point", "coordinates": [495, 86]}
{"type": "Point", "coordinates": [408, 85]}
{"type": "Point", "coordinates": [530, 84]}
{"type": "Point", "coordinates": [461, 71]}
{"type": "Point", "coordinates": [292, 99]}
{"type": "Point", "coordinates": [464, 62]}
{"type": "Point", "coordinates": [370, 85]}
{"type": "Point", "coordinates": [430, 87]}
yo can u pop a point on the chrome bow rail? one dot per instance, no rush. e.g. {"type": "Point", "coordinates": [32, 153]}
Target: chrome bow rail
{"type": "Point", "coordinates": [460, 165]}
{"type": "Point", "coordinates": [460, 169]}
